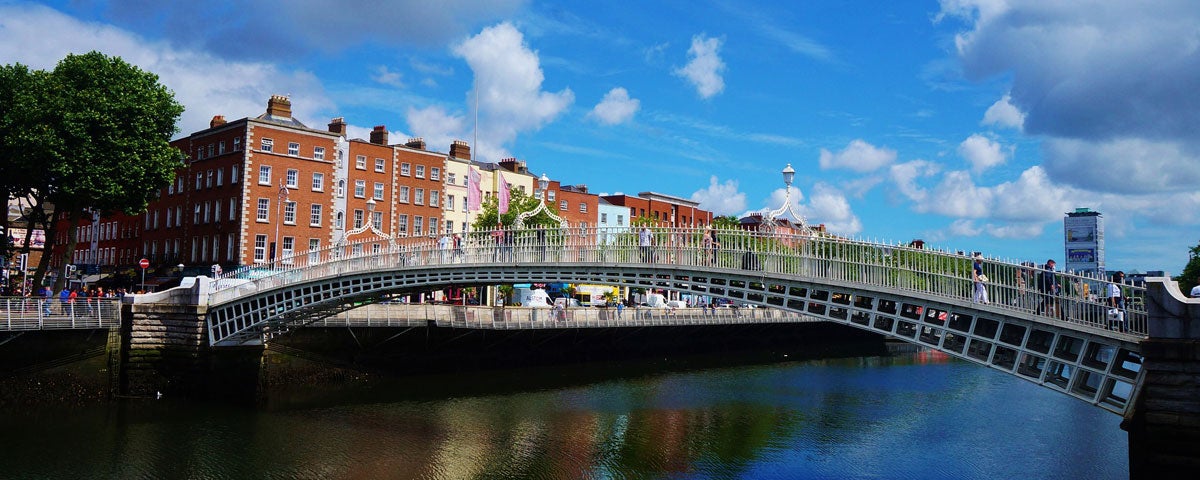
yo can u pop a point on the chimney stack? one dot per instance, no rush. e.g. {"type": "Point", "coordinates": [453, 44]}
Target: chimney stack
{"type": "Point", "coordinates": [379, 135]}
{"type": "Point", "coordinates": [217, 121]}
{"type": "Point", "coordinates": [279, 106]}
{"type": "Point", "coordinates": [513, 165]}
{"type": "Point", "coordinates": [338, 126]}
{"type": "Point", "coordinates": [417, 143]}
{"type": "Point", "coordinates": [460, 149]}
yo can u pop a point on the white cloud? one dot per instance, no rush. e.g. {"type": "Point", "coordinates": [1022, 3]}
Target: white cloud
{"type": "Point", "coordinates": [858, 156]}
{"type": "Point", "coordinates": [721, 198]}
{"type": "Point", "coordinates": [1004, 114]}
{"type": "Point", "coordinates": [436, 126]}
{"type": "Point", "coordinates": [1079, 73]}
{"type": "Point", "coordinates": [981, 152]}
{"type": "Point", "coordinates": [206, 85]}
{"type": "Point", "coordinates": [387, 77]}
{"type": "Point", "coordinates": [705, 67]}
{"type": "Point", "coordinates": [616, 107]}
{"type": "Point", "coordinates": [905, 176]}
{"type": "Point", "coordinates": [1127, 165]}
{"type": "Point", "coordinates": [509, 80]}
{"type": "Point", "coordinates": [827, 205]}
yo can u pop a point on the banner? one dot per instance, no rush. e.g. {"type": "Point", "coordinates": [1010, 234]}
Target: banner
{"type": "Point", "coordinates": [474, 196]}
{"type": "Point", "coordinates": [503, 196]}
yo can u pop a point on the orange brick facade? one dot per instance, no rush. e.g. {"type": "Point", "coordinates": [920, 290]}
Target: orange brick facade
{"type": "Point", "coordinates": [256, 189]}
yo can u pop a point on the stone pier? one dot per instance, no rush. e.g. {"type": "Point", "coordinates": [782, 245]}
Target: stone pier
{"type": "Point", "coordinates": [165, 351]}
{"type": "Point", "coordinates": [1164, 423]}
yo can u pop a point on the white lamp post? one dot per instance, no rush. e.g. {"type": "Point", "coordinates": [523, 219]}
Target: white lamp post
{"type": "Point", "coordinates": [788, 175]}
{"type": "Point", "coordinates": [543, 185]}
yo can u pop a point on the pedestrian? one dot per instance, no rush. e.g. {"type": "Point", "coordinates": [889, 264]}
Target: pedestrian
{"type": "Point", "coordinates": [644, 242]}
{"type": "Point", "coordinates": [498, 238]}
{"type": "Point", "coordinates": [1048, 288]}
{"type": "Point", "coordinates": [444, 247]}
{"type": "Point", "coordinates": [1116, 302]}
{"type": "Point", "coordinates": [63, 297]}
{"type": "Point", "coordinates": [620, 309]}
{"type": "Point", "coordinates": [47, 297]}
{"type": "Point", "coordinates": [979, 279]}
{"type": "Point", "coordinates": [1196, 291]}
{"type": "Point", "coordinates": [710, 246]}
{"type": "Point", "coordinates": [458, 247]}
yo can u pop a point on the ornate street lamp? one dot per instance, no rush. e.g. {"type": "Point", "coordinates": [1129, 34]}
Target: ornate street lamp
{"type": "Point", "coordinates": [369, 224]}
{"type": "Point", "coordinates": [776, 215]}
{"type": "Point", "coordinates": [543, 185]}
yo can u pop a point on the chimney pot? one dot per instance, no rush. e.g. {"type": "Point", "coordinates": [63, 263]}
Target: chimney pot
{"type": "Point", "coordinates": [217, 121]}
{"type": "Point", "coordinates": [279, 106]}
{"type": "Point", "coordinates": [338, 126]}
{"type": "Point", "coordinates": [415, 142]}
{"type": "Point", "coordinates": [379, 135]}
{"type": "Point", "coordinates": [460, 149]}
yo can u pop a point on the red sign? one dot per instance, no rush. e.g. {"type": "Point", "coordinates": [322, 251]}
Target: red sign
{"type": "Point", "coordinates": [144, 264]}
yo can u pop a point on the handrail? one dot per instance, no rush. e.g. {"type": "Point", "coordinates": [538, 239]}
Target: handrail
{"type": "Point", "coordinates": [927, 273]}
{"type": "Point", "coordinates": [41, 313]}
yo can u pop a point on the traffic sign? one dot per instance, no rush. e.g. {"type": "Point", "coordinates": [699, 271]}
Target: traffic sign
{"type": "Point", "coordinates": [144, 263]}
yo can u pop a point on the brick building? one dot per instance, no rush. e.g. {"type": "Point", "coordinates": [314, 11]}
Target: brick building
{"type": "Point", "coordinates": [663, 209]}
{"type": "Point", "coordinates": [258, 189]}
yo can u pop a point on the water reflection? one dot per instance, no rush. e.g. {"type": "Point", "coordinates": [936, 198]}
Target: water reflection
{"type": "Point", "coordinates": [917, 415]}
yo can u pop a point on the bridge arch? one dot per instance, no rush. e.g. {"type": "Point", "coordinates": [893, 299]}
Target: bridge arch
{"type": "Point", "coordinates": [1084, 361]}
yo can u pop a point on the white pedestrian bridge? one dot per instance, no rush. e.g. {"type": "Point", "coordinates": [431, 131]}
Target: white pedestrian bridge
{"type": "Point", "coordinates": [1067, 341]}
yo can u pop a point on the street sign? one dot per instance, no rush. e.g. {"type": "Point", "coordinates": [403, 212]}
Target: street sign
{"type": "Point", "coordinates": [144, 263]}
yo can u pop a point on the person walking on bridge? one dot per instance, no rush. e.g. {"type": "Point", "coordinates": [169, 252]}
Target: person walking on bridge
{"type": "Point", "coordinates": [644, 242]}
{"type": "Point", "coordinates": [980, 280]}
{"type": "Point", "coordinates": [1116, 302]}
{"type": "Point", "coordinates": [1049, 288]}
{"type": "Point", "coordinates": [710, 246]}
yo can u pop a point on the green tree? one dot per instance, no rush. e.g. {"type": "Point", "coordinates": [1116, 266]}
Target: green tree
{"type": "Point", "coordinates": [1191, 272]}
{"type": "Point", "coordinates": [26, 140]}
{"type": "Point", "coordinates": [113, 123]}
{"type": "Point", "coordinates": [518, 203]}
{"type": "Point", "coordinates": [726, 222]}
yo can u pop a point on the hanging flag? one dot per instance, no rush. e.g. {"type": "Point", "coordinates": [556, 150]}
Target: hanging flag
{"type": "Point", "coordinates": [502, 205]}
{"type": "Point", "coordinates": [474, 195]}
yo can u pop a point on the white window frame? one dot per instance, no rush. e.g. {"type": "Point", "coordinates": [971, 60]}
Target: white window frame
{"type": "Point", "coordinates": [264, 175]}
{"type": "Point", "coordinates": [263, 212]}
{"type": "Point", "coordinates": [314, 215]}
{"type": "Point", "coordinates": [260, 248]}
{"type": "Point", "coordinates": [289, 213]}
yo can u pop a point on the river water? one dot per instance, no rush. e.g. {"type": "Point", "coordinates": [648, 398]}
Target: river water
{"type": "Point", "coordinates": [911, 415]}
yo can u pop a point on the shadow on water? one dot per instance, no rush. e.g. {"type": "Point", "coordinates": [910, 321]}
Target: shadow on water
{"type": "Point", "coordinates": [505, 364]}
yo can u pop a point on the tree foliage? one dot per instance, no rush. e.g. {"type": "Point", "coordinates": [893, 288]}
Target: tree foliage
{"type": "Point", "coordinates": [1191, 272]}
{"type": "Point", "coordinates": [518, 203]}
{"type": "Point", "coordinates": [92, 135]}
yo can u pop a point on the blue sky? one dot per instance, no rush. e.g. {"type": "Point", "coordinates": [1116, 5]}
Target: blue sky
{"type": "Point", "coordinates": [972, 124]}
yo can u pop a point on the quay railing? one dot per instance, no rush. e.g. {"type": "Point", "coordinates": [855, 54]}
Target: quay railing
{"type": "Point", "coordinates": [40, 313]}
{"type": "Point", "coordinates": [1013, 286]}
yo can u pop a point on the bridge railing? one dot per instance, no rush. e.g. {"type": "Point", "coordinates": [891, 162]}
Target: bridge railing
{"type": "Point", "coordinates": [410, 315]}
{"type": "Point", "coordinates": [927, 273]}
{"type": "Point", "coordinates": [40, 313]}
